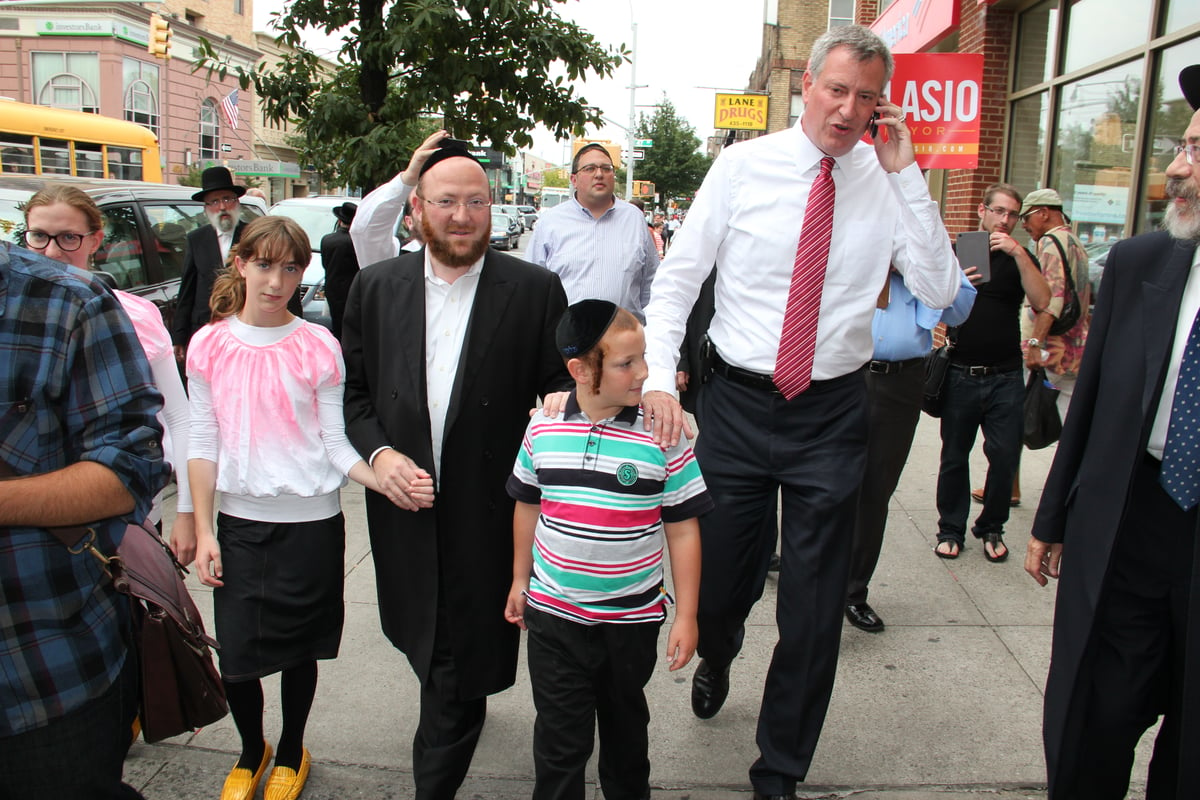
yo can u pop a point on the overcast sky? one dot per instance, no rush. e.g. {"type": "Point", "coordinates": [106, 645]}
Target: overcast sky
{"type": "Point", "coordinates": [689, 49]}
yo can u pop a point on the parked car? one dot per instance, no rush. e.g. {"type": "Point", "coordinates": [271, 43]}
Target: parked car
{"type": "Point", "coordinates": [506, 233]}
{"type": "Point", "coordinates": [515, 213]}
{"type": "Point", "coordinates": [145, 229]}
{"type": "Point", "coordinates": [1097, 256]}
{"type": "Point", "coordinates": [530, 216]}
{"type": "Point", "coordinates": [315, 215]}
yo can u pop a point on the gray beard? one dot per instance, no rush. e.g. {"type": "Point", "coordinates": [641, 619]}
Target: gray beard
{"type": "Point", "coordinates": [1185, 229]}
{"type": "Point", "coordinates": [223, 221]}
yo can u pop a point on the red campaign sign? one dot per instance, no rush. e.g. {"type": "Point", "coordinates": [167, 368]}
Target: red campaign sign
{"type": "Point", "coordinates": [941, 94]}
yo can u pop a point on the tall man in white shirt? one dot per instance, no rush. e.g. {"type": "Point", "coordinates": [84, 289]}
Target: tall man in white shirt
{"type": "Point", "coordinates": [748, 217]}
{"type": "Point", "coordinates": [597, 243]}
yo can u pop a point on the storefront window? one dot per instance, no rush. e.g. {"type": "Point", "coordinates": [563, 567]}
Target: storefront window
{"type": "Point", "coordinates": [1093, 159]}
{"type": "Point", "coordinates": [1038, 31]}
{"type": "Point", "coordinates": [1180, 14]}
{"type": "Point", "coordinates": [1027, 142]}
{"type": "Point", "coordinates": [1097, 29]}
{"type": "Point", "coordinates": [1169, 118]}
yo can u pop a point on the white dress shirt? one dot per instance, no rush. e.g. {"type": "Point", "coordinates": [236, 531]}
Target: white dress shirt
{"type": "Point", "coordinates": [447, 312]}
{"type": "Point", "coordinates": [746, 219]}
{"type": "Point", "coordinates": [372, 230]}
{"type": "Point", "coordinates": [610, 257]}
{"type": "Point", "coordinates": [1188, 308]}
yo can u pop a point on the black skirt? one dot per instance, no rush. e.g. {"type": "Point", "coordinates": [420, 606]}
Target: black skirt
{"type": "Point", "coordinates": [282, 602]}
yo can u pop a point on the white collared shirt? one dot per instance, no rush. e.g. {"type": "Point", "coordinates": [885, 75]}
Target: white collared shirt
{"type": "Point", "coordinates": [746, 219]}
{"type": "Point", "coordinates": [1188, 308]}
{"type": "Point", "coordinates": [375, 221]}
{"type": "Point", "coordinates": [447, 314]}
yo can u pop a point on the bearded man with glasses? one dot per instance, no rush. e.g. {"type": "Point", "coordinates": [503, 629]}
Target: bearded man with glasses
{"type": "Point", "coordinates": [598, 244]}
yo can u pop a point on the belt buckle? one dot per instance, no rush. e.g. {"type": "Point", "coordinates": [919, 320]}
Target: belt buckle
{"type": "Point", "coordinates": [978, 372]}
{"type": "Point", "coordinates": [879, 367]}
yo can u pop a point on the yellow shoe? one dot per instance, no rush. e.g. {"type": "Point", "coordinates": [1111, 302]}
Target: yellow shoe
{"type": "Point", "coordinates": [241, 785]}
{"type": "Point", "coordinates": [286, 783]}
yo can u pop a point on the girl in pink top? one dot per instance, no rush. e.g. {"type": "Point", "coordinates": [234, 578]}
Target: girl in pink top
{"type": "Point", "coordinates": [268, 434]}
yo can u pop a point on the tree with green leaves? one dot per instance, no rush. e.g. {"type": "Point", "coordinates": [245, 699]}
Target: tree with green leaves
{"type": "Point", "coordinates": [481, 67]}
{"type": "Point", "coordinates": [673, 162]}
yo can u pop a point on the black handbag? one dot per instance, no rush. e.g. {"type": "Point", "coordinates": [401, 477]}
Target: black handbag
{"type": "Point", "coordinates": [181, 689]}
{"type": "Point", "coordinates": [1043, 425]}
{"type": "Point", "coordinates": [1070, 310]}
{"type": "Point", "coordinates": [937, 364]}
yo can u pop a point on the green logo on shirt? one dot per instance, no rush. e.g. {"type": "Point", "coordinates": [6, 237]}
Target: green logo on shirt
{"type": "Point", "coordinates": [627, 474]}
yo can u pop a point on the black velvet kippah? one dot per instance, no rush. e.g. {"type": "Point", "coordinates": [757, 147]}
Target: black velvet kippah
{"type": "Point", "coordinates": [582, 326]}
{"type": "Point", "coordinates": [449, 148]}
{"type": "Point", "coordinates": [1189, 81]}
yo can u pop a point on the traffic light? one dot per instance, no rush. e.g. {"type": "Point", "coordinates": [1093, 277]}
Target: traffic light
{"type": "Point", "coordinates": [159, 44]}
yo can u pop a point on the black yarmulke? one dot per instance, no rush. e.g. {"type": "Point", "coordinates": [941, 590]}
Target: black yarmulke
{"type": "Point", "coordinates": [582, 326]}
{"type": "Point", "coordinates": [449, 148]}
{"type": "Point", "coordinates": [1189, 81]}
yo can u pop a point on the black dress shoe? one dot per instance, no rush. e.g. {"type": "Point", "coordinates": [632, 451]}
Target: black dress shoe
{"type": "Point", "coordinates": [710, 687]}
{"type": "Point", "coordinates": [863, 617]}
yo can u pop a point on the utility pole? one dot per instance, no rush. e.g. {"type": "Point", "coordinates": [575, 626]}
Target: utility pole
{"type": "Point", "coordinates": [633, 87]}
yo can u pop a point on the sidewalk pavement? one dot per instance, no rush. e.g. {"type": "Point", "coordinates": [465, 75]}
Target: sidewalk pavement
{"type": "Point", "coordinates": [945, 704]}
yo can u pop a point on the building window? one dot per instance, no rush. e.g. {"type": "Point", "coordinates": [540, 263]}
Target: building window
{"type": "Point", "coordinates": [239, 6]}
{"type": "Point", "coordinates": [841, 12]}
{"type": "Point", "coordinates": [67, 80]}
{"type": "Point", "coordinates": [141, 93]}
{"type": "Point", "coordinates": [210, 131]}
{"type": "Point", "coordinates": [796, 109]}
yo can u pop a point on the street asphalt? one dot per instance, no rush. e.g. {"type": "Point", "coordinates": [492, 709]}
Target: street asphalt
{"type": "Point", "coordinates": [945, 704]}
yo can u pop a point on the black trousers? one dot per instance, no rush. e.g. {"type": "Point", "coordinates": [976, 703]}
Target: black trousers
{"type": "Point", "coordinates": [1136, 656]}
{"type": "Point", "coordinates": [449, 726]}
{"type": "Point", "coordinates": [811, 450]}
{"type": "Point", "coordinates": [585, 676]}
{"type": "Point", "coordinates": [893, 409]}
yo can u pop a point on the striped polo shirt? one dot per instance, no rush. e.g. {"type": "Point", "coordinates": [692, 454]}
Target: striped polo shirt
{"type": "Point", "coordinates": [605, 490]}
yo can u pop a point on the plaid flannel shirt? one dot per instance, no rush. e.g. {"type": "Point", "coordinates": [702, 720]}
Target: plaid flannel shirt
{"type": "Point", "coordinates": [74, 386]}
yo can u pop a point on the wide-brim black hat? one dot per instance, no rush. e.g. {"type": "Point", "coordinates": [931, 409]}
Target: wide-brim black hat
{"type": "Point", "coordinates": [345, 212]}
{"type": "Point", "coordinates": [1189, 81]}
{"type": "Point", "coordinates": [217, 178]}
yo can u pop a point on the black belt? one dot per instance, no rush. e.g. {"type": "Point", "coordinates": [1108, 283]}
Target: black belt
{"type": "Point", "coordinates": [759, 380]}
{"type": "Point", "coordinates": [980, 371]}
{"type": "Point", "coordinates": [892, 367]}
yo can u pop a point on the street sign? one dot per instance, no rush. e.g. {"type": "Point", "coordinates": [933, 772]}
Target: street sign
{"type": "Point", "coordinates": [226, 147]}
{"type": "Point", "coordinates": [638, 155]}
{"type": "Point", "coordinates": [643, 142]}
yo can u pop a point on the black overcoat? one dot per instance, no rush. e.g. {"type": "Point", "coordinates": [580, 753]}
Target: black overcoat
{"type": "Point", "coordinates": [462, 547]}
{"type": "Point", "coordinates": [201, 264]}
{"type": "Point", "coordinates": [1086, 497]}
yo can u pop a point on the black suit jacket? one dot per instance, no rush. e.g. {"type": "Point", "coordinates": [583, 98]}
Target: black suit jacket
{"type": "Point", "coordinates": [341, 265]}
{"type": "Point", "coordinates": [200, 267]}
{"type": "Point", "coordinates": [1085, 499]}
{"type": "Point", "coordinates": [462, 547]}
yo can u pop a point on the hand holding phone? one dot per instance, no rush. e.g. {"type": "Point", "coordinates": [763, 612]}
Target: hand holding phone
{"type": "Point", "coordinates": [874, 128]}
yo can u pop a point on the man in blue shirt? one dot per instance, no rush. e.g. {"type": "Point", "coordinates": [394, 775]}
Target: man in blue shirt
{"type": "Point", "coordinates": [903, 334]}
{"type": "Point", "coordinates": [78, 421]}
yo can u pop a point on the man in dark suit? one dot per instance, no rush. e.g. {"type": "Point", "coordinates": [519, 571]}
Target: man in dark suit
{"type": "Point", "coordinates": [446, 350]}
{"type": "Point", "coordinates": [207, 249]}
{"type": "Point", "coordinates": [340, 263]}
{"type": "Point", "coordinates": [1121, 500]}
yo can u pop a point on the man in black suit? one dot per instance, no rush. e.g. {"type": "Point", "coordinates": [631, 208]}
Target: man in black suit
{"type": "Point", "coordinates": [1121, 502]}
{"type": "Point", "coordinates": [340, 263]}
{"type": "Point", "coordinates": [446, 350]}
{"type": "Point", "coordinates": [207, 250]}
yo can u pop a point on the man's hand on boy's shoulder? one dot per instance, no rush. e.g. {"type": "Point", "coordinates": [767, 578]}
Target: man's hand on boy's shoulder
{"type": "Point", "coordinates": [665, 417]}
{"type": "Point", "coordinates": [552, 404]}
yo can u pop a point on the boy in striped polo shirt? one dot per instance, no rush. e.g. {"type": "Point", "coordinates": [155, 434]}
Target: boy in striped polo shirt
{"type": "Point", "coordinates": [594, 496]}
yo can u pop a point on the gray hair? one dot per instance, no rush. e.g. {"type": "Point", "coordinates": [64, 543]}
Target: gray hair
{"type": "Point", "coordinates": [864, 45]}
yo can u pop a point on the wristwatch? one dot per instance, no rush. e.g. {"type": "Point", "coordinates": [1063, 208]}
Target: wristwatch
{"type": "Point", "coordinates": [1034, 342]}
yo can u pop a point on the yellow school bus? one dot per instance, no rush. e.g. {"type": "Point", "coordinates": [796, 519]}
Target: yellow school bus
{"type": "Point", "coordinates": [39, 140]}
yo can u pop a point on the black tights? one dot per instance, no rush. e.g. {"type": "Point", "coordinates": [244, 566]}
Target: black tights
{"type": "Point", "coordinates": [297, 687]}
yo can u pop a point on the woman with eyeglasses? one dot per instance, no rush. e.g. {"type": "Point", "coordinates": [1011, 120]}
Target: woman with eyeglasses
{"type": "Point", "coordinates": [63, 223]}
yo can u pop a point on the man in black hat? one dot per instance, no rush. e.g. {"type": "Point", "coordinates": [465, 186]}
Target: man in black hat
{"type": "Point", "coordinates": [340, 263]}
{"type": "Point", "coordinates": [446, 351]}
{"type": "Point", "coordinates": [1121, 499]}
{"type": "Point", "coordinates": [207, 251]}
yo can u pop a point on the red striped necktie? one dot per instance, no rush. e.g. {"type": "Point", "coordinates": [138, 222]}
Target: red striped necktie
{"type": "Point", "coordinates": [798, 339]}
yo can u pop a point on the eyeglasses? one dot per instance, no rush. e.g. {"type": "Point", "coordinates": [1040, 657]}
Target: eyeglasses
{"type": "Point", "coordinates": [589, 169]}
{"type": "Point", "coordinates": [1190, 151]}
{"type": "Point", "coordinates": [67, 242]}
{"type": "Point", "coordinates": [1003, 213]}
{"type": "Point", "coordinates": [217, 202]}
{"type": "Point", "coordinates": [1025, 217]}
{"type": "Point", "coordinates": [475, 205]}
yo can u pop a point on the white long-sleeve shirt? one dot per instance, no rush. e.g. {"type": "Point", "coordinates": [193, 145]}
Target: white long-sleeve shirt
{"type": "Point", "coordinates": [746, 220]}
{"type": "Point", "coordinates": [375, 221]}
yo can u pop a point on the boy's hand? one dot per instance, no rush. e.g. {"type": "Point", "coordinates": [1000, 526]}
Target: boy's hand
{"type": "Point", "coordinates": [514, 609]}
{"type": "Point", "coordinates": [681, 642]}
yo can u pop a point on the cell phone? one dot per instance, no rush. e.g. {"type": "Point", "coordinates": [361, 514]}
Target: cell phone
{"type": "Point", "coordinates": [974, 250]}
{"type": "Point", "coordinates": [874, 129]}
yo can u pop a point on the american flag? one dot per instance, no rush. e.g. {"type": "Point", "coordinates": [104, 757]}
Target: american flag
{"type": "Point", "coordinates": [229, 105]}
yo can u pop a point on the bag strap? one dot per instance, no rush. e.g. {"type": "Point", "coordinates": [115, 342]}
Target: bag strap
{"type": "Point", "coordinates": [69, 535]}
{"type": "Point", "coordinates": [1066, 265]}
